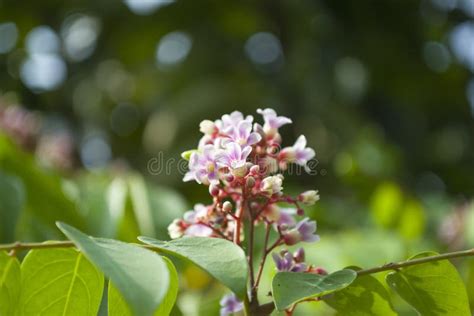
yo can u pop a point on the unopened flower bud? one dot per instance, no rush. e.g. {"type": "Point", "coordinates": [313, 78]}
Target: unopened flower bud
{"type": "Point", "coordinates": [250, 182]}
{"type": "Point", "coordinates": [254, 205]}
{"type": "Point", "coordinates": [291, 237]}
{"type": "Point", "coordinates": [317, 270]}
{"type": "Point", "coordinates": [254, 170]}
{"type": "Point", "coordinates": [187, 154]}
{"type": "Point", "coordinates": [239, 172]}
{"type": "Point", "coordinates": [207, 127]}
{"type": "Point", "coordinates": [175, 229]}
{"type": "Point", "coordinates": [300, 212]}
{"type": "Point", "coordinates": [283, 227]}
{"type": "Point", "coordinates": [214, 189]}
{"type": "Point", "coordinates": [309, 197]}
{"type": "Point", "coordinates": [229, 177]}
{"type": "Point", "coordinates": [227, 207]}
{"type": "Point", "coordinates": [299, 255]}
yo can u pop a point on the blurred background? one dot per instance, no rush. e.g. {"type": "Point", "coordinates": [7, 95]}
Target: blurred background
{"type": "Point", "coordinates": [98, 99]}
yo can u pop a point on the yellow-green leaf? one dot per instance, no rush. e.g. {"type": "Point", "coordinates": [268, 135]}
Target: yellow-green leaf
{"type": "Point", "coordinates": [61, 282]}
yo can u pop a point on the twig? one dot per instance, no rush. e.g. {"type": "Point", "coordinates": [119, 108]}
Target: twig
{"type": "Point", "coordinates": [395, 266]}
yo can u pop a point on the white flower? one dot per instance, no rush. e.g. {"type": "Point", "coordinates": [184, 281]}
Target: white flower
{"type": "Point", "coordinates": [309, 197]}
{"type": "Point", "coordinates": [207, 127]}
{"type": "Point", "coordinates": [272, 185]}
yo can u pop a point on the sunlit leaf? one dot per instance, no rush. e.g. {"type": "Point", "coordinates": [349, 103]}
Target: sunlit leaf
{"type": "Point", "coordinates": [433, 288]}
{"type": "Point", "coordinates": [365, 296]}
{"type": "Point", "coordinates": [118, 307]}
{"type": "Point", "coordinates": [220, 258]}
{"type": "Point", "coordinates": [139, 274]}
{"type": "Point", "coordinates": [386, 204]}
{"type": "Point", "coordinates": [291, 287]}
{"type": "Point", "coordinates": [10, 281]}
{"type": "Point", "coordinates": [61, 282]}
{"type": "Point", "coordinates": [412, 220]}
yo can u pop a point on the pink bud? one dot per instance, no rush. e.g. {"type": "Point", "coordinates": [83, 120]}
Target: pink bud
{"type": "Point", "coordinates": [214, 190]}
{"type": "Point", "coordinates": [227, 206]}
{"type": "Point", "coordinates": [254, 170]}
{"type": "Point", "coordinates": [299, 255]}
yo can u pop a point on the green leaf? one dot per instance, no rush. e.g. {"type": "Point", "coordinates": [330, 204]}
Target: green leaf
{"type": "Point", "coordinates": [59, 281]}
{"type": "Point", "coordinates": [10, 280]}
{"type": "Point", "coordinates": [293, 287]}
{"type": "Point", "coordinates": [365, 296]}
{"type": "Point", "coordinates": [140, 275]}
{"type": "Point", "coordinates": [220, 258]}
{"type": "Point", "coordinates": [12, 199]}
{"type": "Point", "coordinates": [433, 288]}
{"type": "Point", "coordinates": [118, 307]}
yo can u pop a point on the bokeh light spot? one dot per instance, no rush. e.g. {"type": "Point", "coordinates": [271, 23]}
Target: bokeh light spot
{"type": "Point", "coordinates": [263, 48]}
{"type": "Point", "coordinates": [436, 56]}
{"type": "Point", "coordinates": [8, 37]}
{"type": "Point", "coordinates": [173, 48]}
{"type": "Point", "coordinates": [146, 7]}
{"type": "Point", "coordinates": [95, 152]}
{"type": "Point", "coordinates": [42, 40]}
{"type": "Point", "coordinates": [79, 33]}
{"type": "Point", "coordinates": [43, 72]}
{"type": "Point", "coordinates": [462, 43]}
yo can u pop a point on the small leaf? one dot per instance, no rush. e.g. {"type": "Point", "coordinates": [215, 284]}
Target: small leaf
{"type": "Point", "coordinates": [140, 275]}
{"type": "Point", "coordinates": [10, 280]}
{"type": "Point", "coordinates": [59, 282]}
{"type": "Point", "coordinates": [365, 296]}
{"type": "Point", "coordinates": [293, 287]}
{"type": "Point", "coordinates": [220, 258]}
{"type": "Point", "coordinates": [433, 288]}
{"type": "Point", "coordinates": [118, 307]}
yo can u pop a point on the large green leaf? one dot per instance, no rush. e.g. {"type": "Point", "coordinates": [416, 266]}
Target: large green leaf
{"type": "Point", "coordinates": [59, 281]}
{"type": "Point", "coordinates": [220, 258]}
{"type": "Point", "coordinates": [365, 296]}
{"type": "Point", "coordinates": [118, 307]}
{"type": "Point", "coordinates": [292, 287]}
{"type": "Point", "coordinates": [433, 288]}
{"type": "Point", "coordinates": [12, 199]}
{"type": "Point", "coordinates": [140, 275]}
{"type": "Point", "coordinates": [10, 281]}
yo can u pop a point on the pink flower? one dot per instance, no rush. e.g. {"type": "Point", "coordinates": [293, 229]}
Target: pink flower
{"type": "Point", "coordinates": [272, 121]}
{"type": "Point", "coordinates": [242, 134]}
{"type": "Point", "coordinates": [231, 120]}
{"type": "Point", "coordinates": [230, 304]}
{"type": "Point", "coordinates": [234, 156]}
{"type": "Point", "coordinates": [202, 166]}
{"type": "Point", "coordinates": [298, 153]}
{"type": "Point", "coordinates": [303, 231]}
{"type": "Point", "coordinates": [287, 262]}
{"type": "Point", "coordinates": [198, 230]}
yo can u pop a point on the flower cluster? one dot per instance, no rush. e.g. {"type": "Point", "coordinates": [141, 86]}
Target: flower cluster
{"type": "Point", "coordinates": [239, 160]}
{"type": "Point", "coordinates": [242, 162]}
